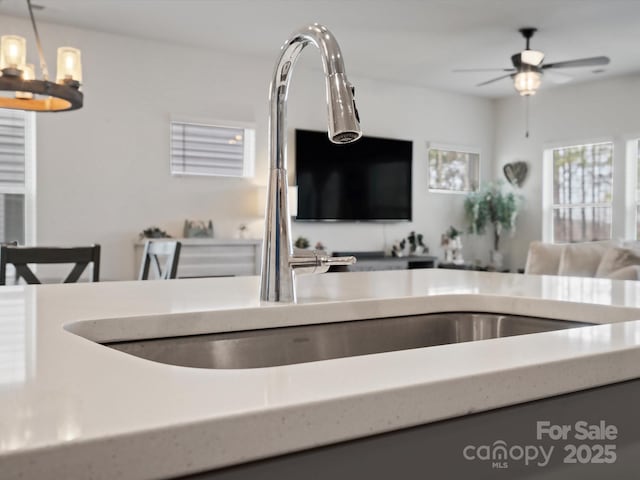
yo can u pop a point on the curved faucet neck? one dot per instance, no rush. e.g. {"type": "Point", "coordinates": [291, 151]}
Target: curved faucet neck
{"type": "Point", "coordinates": [278, 260]}
{"type": "Point", "coordinates": [332, 63]}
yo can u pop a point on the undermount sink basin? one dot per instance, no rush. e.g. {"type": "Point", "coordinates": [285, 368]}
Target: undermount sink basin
{"type": "Point", "coordinates": [310, 343]}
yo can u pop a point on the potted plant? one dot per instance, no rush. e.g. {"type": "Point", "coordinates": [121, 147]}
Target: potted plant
{"type": "Point", "coordinates": [154, 232]}
{"type": "Point", "coordinates": [451, 242]}
{"type": "Point", "coordinates": [301, 242]}
{"type": "Point", "coordinates": [491, 206]}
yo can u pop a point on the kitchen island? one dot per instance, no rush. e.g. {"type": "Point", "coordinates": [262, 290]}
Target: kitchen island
{"type": "Point", "coordinates": [73, 408]}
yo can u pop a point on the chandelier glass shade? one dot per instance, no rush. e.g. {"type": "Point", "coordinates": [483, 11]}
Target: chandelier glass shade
{"type": "Point", "coordinates": [21, 90]}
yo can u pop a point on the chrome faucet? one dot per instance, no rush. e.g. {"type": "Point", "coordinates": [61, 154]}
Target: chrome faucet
{"type": "Point", "coordinates": [280, 262]}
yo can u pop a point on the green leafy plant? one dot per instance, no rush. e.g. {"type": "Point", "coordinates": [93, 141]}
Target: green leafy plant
{"type": "Point", "coordinates": [491, 206]}
{"type": "Point", "coordinates": [154, 232]}
{"type": "Point", "coordinates": [453, 232]}
{"type": "Point", "coordinates": [301, 242]}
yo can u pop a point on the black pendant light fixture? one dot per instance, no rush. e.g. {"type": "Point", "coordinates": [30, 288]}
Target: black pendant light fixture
{"type": "Point", "coordinates": [20, 90]}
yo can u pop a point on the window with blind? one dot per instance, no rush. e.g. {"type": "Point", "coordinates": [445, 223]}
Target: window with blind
{"type": "Point", "coordinates": [14, 128]}
{"type": "Point", "coordinates": [216, 150]}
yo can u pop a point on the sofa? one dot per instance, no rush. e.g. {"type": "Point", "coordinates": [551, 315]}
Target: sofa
{"type": "Point", "coordinates": [614, 259]}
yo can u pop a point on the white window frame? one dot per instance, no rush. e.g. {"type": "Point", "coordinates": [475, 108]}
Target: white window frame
{"type": "Point", "coordinates": [631, 200]}
{"type": "Point", "coordinates": [547, 181]}
{"type": "Point", "coordinates": [30, 170]}
{"type": "Point", "coordinates": [29, 187]}
{"type": "Point", "coordinates": [248, 170]}
{"type": "Point", "coordinates": [452, 148]}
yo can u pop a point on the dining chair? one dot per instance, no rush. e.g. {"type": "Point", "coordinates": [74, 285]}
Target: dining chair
{"type": "Point", "coordinates": [153, 251]}
{"type": "Point", "coordinates": [21, 257]}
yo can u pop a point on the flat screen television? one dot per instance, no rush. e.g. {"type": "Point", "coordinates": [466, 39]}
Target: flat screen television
{"type": "Point", "coordinates": [367, 180]}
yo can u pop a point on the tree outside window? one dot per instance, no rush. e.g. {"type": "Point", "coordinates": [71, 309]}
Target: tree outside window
{"type": "Point", "coordinates": [582, 192]}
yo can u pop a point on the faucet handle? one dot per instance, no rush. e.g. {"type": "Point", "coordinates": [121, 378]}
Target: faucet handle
{"type": "Point", "coordinates": [315, 261]}
{"type": "Point", "coordinates": [353, 99]}
{"type": "Point", "coordinates": [349, 260]}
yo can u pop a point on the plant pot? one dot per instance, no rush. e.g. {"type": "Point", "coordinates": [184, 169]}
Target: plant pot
{"type": "Point", "coordinates": [495, 259]}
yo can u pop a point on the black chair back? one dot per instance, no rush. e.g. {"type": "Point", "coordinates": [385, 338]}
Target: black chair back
{"type": "Point", "coordinates": [21, 257]}
{"type": "Point", "coordinates": [153, 250]}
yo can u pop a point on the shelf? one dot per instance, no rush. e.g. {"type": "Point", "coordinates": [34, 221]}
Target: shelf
{"type": "Point", "coordinates": [369, 263]}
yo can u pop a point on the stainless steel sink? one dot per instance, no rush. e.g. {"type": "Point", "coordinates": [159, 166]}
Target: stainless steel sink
{"type": "Point", "coordinates": [310, 343]}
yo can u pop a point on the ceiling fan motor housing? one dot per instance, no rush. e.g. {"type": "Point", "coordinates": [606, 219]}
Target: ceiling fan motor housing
{"type": "Point", "coordinates": [529, 58]}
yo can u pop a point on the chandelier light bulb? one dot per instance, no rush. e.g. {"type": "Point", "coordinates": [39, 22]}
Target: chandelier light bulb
{"type": "Point", "coordinates": [28, 73]}
{"type": "Point", "coordinates": [13, 52]}
{"type": "Point", "coordinates": [69, 65]}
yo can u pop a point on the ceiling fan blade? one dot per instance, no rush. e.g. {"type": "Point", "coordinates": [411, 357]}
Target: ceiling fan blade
{"type": "Point", "coordinates": [557, 77]}
{"type": "Point", "coordinates": [493, 80]}
{"type": "Point", "coordinates": [581, 62]}
{"type": "Point", "coordinates": [456, 70]}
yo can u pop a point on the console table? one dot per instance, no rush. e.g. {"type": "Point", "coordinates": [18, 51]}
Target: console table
{"type": "Point", "coordinates": [370, 261]}
{"type": "Point", "coordinates": [213, 257]}
{"type": "Point", "coordinates": [468, 266]}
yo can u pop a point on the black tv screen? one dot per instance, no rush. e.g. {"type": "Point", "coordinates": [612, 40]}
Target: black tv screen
{"type": "Point", "coordinates": [366, 180]}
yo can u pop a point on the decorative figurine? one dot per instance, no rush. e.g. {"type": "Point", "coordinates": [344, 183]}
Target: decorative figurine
{"type": "Point", "coordinates": [417, 247]}
{"type": "Point", "coordinates": [451, 242]}
{"type": "Point", "coordinates": [197, 229]}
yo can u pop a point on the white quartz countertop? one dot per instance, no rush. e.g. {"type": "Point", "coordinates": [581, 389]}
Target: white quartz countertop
{"type": "Point", "coordinates": [72, 408]}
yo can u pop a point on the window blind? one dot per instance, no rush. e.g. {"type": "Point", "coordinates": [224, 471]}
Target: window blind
{"type": "Point", "coordinates": [12, 151]}
{"type": "Point", "coordinates": [13, 337]}
{"type": "Point", "coordinates": [199, 149]}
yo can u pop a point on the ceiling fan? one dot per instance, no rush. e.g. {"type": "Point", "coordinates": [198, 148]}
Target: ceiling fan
{"type": "Point", "coordinates": [528, 66]}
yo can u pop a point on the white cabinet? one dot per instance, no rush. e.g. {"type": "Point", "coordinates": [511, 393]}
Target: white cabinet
{"type": "Point", "coordinates": [212, 257]}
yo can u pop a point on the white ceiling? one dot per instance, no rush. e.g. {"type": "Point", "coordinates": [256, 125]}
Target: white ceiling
{"type": "Point", "coordinates": [407, 41]}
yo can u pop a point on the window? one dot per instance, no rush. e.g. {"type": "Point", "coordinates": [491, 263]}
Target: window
{"type": "Point", "coordinates": [453, 170]}
{"type": "Point", "coordinates": [636, 177]}
{"type": "Point", "coordinates": [206, 149]}
{"type": "Point", "coordinates": [582, 189]}
{"type": "Point", "coordinates": [15, 141]}
{"type": "Point", "coordinates": [632, 189]}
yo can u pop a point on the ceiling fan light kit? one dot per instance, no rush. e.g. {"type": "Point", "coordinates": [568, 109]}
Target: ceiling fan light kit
{"type": "Point", "coordinates": [25, 92]}
{"type": "Point", "coordinates": [527, 83]}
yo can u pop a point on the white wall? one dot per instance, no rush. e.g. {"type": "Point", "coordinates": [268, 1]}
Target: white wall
{"type": "Point", "coordinates": [103, 175]}
{"type": "Point", "coordinates": [409, 113]}
{"type": "Point", "coordinates": [583, 112]}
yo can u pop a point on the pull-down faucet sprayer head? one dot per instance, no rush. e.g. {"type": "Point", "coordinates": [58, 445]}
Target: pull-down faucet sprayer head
{"type": "Point", "coordinates": [344, 121]}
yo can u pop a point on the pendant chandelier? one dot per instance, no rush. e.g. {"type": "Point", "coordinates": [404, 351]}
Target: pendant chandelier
{"type": "Point", "coordinates": [19, 88]}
